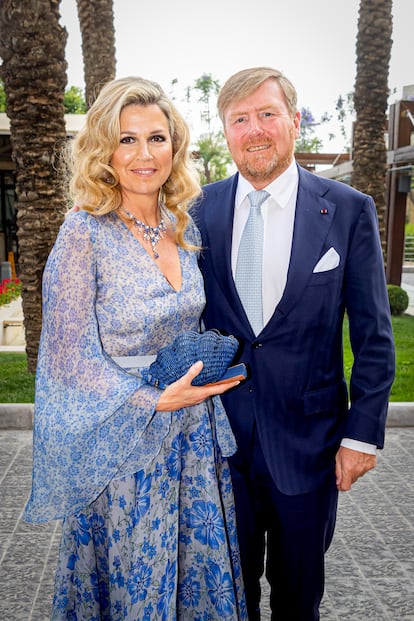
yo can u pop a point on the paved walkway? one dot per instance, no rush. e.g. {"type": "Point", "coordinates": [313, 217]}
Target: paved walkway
{"type": "Point", "coordinates": [370, 565]}
{"type": "Point", "coordinates": [408, 285]}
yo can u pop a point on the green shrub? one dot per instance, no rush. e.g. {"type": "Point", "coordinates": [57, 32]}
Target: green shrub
{"type": "Point", "coordinates": [398, 298]}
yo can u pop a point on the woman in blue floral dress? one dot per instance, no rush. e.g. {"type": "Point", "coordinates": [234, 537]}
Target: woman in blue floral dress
{"type": "Point", "coordinates": [138, 474]}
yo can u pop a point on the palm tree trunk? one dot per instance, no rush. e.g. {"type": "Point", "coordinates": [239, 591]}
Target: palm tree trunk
{"type": "Point", "coordinates": [373, 52]}
{"type": "Point", "coordinates": [96, 21]}
{"type": "Point", "coordinates": [32, 46]}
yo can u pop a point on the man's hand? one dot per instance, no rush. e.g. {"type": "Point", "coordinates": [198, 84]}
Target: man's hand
{"type": "Point", "coordinates": [350, 465]}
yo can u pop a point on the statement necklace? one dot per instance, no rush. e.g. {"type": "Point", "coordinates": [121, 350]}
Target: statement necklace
{"type": "Point", "coordinates": [151, 234]}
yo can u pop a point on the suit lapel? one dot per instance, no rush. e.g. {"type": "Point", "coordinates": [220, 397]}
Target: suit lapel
{"type": "Point", "coordinates": [219, 225]}
{"type": "Point", "coordinates": [313, 219]}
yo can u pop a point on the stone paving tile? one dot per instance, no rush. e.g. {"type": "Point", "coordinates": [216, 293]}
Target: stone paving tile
{"type": "Point", "coordinates": [369, 568]}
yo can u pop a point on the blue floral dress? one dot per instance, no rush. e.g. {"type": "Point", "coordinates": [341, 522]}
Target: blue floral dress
{"type": "Point", "coordinates": [146, 499]}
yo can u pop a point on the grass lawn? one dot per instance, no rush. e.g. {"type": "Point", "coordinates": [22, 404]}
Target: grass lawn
{"type": "Point", "coordinates": [17, 385]}
{"type": "Point", "coordinates": [403, 329]}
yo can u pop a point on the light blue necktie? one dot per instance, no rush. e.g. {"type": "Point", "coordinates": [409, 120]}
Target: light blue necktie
{"type": "Point", "coordinates": [250, 261]}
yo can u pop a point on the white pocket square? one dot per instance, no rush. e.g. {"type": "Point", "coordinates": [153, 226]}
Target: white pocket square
{"type": "Point", "coordinates": [329, 261]}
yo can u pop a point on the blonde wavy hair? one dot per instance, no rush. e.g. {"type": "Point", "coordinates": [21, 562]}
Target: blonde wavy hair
{"type": "Point", "coordinates": [245, 82]}
{"type": "Point", "coordinates": [93, 183]}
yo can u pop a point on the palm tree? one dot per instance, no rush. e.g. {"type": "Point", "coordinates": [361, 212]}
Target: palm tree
{"type": "Point", "coordinates": [373, 50]}
{"type": "Point", "coordinates": [32, 47]}
{"type": "Point", "coordinates": [96, 21]}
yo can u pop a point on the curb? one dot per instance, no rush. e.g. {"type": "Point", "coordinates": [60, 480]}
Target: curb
{"type": "Point", "coordinates": [19, 416]}
{"type": "Point", "coordinates": [16, 416]}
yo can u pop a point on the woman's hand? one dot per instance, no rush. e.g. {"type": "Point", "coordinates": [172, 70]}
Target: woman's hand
{"type": "Point", "coordinates": [181, 394]}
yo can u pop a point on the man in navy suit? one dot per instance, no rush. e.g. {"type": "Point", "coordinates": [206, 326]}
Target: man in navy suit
{"type": "Point", "coordinates": [298, 440]}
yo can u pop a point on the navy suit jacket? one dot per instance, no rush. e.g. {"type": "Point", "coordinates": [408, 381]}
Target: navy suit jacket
{"type": "Point", "coordinates": [296, 396]}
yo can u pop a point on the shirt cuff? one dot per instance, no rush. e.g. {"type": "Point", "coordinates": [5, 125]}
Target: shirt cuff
{"type": "Point", "coordinates": [356, 445]}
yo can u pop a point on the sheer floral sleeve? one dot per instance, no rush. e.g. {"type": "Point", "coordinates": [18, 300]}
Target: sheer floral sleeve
{"type": "Point", "coordinates": [93, 420]}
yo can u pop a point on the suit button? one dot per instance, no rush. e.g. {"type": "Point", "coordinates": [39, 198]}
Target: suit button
{"type": "Point", "coordinates": [257, 345]}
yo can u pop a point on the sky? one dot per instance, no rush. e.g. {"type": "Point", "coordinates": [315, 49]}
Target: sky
{"type": "Point", "coordinates": [312, 42]}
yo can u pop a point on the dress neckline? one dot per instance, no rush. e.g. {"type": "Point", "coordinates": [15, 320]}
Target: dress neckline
{"type": "Point", "coordinates": [152, 260]}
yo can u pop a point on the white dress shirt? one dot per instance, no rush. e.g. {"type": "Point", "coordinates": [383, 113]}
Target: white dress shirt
{"type": "Point", "coordinates": [278, 212]}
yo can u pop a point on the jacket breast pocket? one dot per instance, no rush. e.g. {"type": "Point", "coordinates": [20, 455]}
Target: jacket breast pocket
{"type": "Point", "coordinates": [319, 279]}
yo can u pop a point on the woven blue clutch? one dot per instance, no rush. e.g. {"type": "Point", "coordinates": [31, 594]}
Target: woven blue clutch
{"type": "Point", "coordinates": [173, 361]}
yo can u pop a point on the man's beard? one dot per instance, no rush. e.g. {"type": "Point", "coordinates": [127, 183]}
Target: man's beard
{"type": "Point", "coordinates": [261, 167]}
